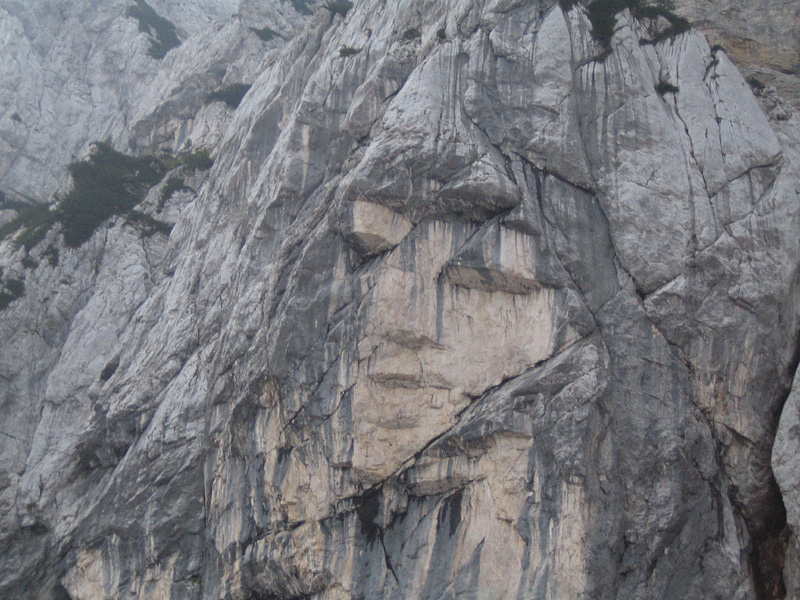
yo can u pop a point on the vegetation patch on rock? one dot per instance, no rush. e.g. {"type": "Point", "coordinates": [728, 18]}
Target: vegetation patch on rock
{"type": "Point", "coordinates": [32, 223]}
{"type": "Point", "coordinates": [173, 184]}
{"type": "Point", "coordinates": [147, 224]}
{"type": "Point", "coordinates": [302, 6]}
{"type": "Point", "coordinates": [665, 87]}
{"type": "Point", "coordinates": [11, 290]}
{"type": "Point", "coordinates": [199, 160]}
{"type": "Point", "coordinates": [265, 34]}
{"type": "Point", "coordinates": [603, 16]}
{"type": "Point", "coordinates": [231, 95]}
{"type": "Point", "coordinates": [163, 36]}
{"type": "Point", "coordinates": [108, 183]}
{"type": "Point", "coordinates": [756, 84]}
{"type": "Point", "coordinates": [339, 7]}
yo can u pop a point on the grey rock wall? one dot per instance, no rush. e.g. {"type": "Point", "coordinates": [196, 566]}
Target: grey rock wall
{"type": "Point", "coordinates": [760, 36]}
{"type": "Point", "coordinates": [753, 31]}
{"type": "Point", "coordinates": [77, 72]}
{"type": "Point", "coordinates": [470, 313]}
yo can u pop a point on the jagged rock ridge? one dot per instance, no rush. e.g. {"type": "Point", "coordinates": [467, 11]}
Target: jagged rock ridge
{"type": "Point", "coordinates": [478, 309]}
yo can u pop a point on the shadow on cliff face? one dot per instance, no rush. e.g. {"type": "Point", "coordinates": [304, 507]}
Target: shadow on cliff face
{"type": "Point", "coordinates": [769, 549]}
{"type": "Point", "coordinates": [772, 536]}
{"type": "Point", "coordinates": [61, 593]}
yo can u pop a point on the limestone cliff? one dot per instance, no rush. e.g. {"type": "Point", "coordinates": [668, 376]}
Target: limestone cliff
{"type": "Point", "coordinates": [76, 72]}
{"type": "Point", "coordinates": [480, 299]}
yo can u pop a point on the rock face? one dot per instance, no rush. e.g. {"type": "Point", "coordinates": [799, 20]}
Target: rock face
{"type": "Point", "coordinates": [760, 36]}
{"type": "Point", "coordinates": [752, 31]}
{"type": "Point", "coordinates": [76, 72]}
{"type": "Point", "coordinates": [469, 306]}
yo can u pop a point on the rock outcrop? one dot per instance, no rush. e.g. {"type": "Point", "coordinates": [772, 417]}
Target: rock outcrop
{"type": "Point", "coordinates": [470, 305]}
{"type": "Point", "coordinates": [77, 72]}
{"type": "Point", "coordinates": [752, 31]}
{"type": "Point", "coordinates": [760, 36]}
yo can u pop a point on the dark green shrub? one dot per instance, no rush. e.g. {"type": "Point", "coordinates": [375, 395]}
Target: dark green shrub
{"type": "Point", "coordinates": [756, 84]}
{"type": "Point", "coordinates": [5, 300]}
{"type": "Point", "coordinates": [147, 224]}
{"type": "Point", "coordinates": [174, 184]}
{"type": "Point", "coordinates": [28, 262]}
{"type": "Point", "coordinates": [677, 25]}
{"type": "Point", "coordinates": [348, 51]}
{"type": "Point", "coordinates": [412, 33]}
{"type": "Point", "coordinates": [30, 225]}
{"type": "Point", "coordinates": [339, 7]}
{"type": "Point", "coordinates": [51, 254]}
{"type": "Point", "coordinates": [302, 7]}
{"type": "Point", "coordinates": [231, 95]}
{"type": "Point", "coordinates": [265, 34]}
{"type": "Point", "coordinates": [106, 184]}
{"type": "Point", "coordinates": [665, 87]}
{"type": "Point", "coordinates": [16, 118]}
{"type": "Point", "coordinates": [14, 288]}
{"type": "Point", "coordinates": [199, 160]}
{"type": "Point", "coordinates": [566, 5]}
{"type": "Point", "coordinates": [604, 54]}
{"type": "Point", "coordinates": [163, 36]}
{"type": "Point", "coordinates": [603, 16]}
{"type": "Point", "coordinates": [7, 203]}
{"type": "Point", "coordinates": [441, 34]}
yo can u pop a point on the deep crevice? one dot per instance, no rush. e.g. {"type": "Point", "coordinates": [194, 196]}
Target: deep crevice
{"type": "Point", "coordinates": [770, 543]}
{"type": "Point", "coordinates": [768, 553]}
{"type": "Point", "coordinates": [61, 593]}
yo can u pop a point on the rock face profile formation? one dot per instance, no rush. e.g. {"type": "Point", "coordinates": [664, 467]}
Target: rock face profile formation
{"type": "Point", "coordinates": [410, 300]}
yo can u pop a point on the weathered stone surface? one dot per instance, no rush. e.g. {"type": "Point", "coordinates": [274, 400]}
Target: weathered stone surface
{"type": "Point", "coordinates": [752, 31]}
{"type": "Point", "coordinates": [74, 73]}
{"type": "Point", "coordinates": [473, 312]}
{"type": "Point", "coordinates": [373, 229]}
{"type": "Point", "coordinates": [760, 36]}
